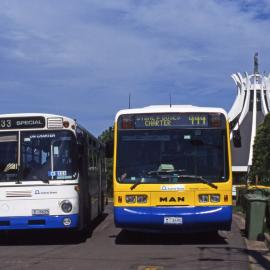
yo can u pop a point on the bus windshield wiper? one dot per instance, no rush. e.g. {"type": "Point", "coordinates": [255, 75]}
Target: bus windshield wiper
{"type": "Point", "coordinates": [159, 174]}
{"type": "Point", "coordinates": [44, 179]}
{"type": "Point", "coordinates": [175, 173]}
{"type": "Point", "coordinates": [139, 181]}
{"type": "Point", "coordinates": [201, 178]}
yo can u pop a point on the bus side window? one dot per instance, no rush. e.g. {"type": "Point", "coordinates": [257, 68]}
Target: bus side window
{"type": "Point", "coordinates": [95, 154]}
{"type": "Point", "coordinates": [92, 155]}
{"type": "Point", "coordinates": [80, 143]}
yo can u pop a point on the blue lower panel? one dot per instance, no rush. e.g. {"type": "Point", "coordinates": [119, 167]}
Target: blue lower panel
{"type": "Point", "coordinates": [192, 219]}
{"type": "Point", "coordinates": [38, 222]}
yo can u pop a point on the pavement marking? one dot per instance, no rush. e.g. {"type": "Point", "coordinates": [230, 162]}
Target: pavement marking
{"type": "Point", "coordinates": [150, 267]}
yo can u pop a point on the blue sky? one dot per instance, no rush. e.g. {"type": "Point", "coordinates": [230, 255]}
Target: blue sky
{"type": "Point", "coordinates": [82, 58]}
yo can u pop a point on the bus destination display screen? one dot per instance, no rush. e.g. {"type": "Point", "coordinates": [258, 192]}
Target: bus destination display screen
{"type": "Point", "coordinates": [148, 121]}
{"type": "Point", "coordinates": [22, 122]}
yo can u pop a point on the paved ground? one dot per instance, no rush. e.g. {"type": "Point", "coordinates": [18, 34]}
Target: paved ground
{"type": "Point", "coordinates": [111, 248]}
{"type": "Point", "coordinates": [259, 254]}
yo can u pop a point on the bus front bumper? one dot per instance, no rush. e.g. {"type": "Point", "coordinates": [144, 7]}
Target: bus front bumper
{"type": "Point", "coordinates": [39, 222]}
{"type": "Point", "coordinates": [174, 219]}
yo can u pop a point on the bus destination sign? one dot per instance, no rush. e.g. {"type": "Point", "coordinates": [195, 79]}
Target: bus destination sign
{"type": "Point", "coordinates": [147, 121]}
{"type": "Point", "coordinates": [22, 122]}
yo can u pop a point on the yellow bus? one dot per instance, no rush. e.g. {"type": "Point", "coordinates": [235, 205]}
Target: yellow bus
{"type": "Point", "coordinates": [172, 169]}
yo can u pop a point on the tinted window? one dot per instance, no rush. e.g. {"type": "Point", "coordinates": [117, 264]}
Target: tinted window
{"type": "Point", "coordinates": [8, 157]}
{"type": "Point", "coordinates": [163, 155]}
{"type": "Point", "coordinates": [49, 155]}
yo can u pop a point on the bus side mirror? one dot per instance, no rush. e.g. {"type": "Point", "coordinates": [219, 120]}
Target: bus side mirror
{"type": "Point", "coordinates": [109, 149]}
{"type": "Point", "coordinates": [237, 138]}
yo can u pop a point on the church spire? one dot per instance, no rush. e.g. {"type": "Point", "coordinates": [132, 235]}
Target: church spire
{"type": "Point", "coordinates": [249, 109]}
{"type": "Point", "coordinates": [256, 63]}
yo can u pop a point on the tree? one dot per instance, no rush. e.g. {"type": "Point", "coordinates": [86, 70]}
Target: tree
{"type": "Point", "coordinates": [105, 137]}
{"type": "Point", "coordinates": [261, 153]}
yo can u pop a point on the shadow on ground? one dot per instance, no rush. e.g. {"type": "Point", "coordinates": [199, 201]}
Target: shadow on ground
{"type": "Point", "coordinates": [139, 238]}
{"type": "Point", "coordinates": [48, 237]}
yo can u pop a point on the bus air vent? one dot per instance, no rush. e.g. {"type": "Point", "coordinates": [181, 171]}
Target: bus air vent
{"type": "Point", "coordinates": [36, 222]}
{"type": "Point", "coordinates": [19, 193]}
{"type": "Point", "coordinates": [4, 223]}
{"type": "Point", "coordinates": [56, 122]}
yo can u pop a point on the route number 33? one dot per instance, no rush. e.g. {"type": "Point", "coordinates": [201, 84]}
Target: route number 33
{"type": "Point", "coordinates": [5, 123]}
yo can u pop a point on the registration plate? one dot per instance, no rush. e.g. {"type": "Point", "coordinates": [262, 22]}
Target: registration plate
{"type": "Point", "coordinates": [40, 212]}
{"type": "Point", "coordinates": [173, 220]}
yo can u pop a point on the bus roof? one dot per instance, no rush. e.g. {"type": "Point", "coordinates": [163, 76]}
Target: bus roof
{"type": "Point", "coordinates": [46, 115]}
{"type": "Point", "coordinates": [23, 121]}
{"type": "Point", "coordinates": [171, 109]}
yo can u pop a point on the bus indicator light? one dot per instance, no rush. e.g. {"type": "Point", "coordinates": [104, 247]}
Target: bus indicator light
{"type": "Point", "coordinates": [226, 198]}
{"type": "Point", "coordinates": [66, 124]}
{"type": "Point", "coordinates": [127, 122]}
{"type": "Point", "coordinates": [130, 199]}
{"type": "Point", "coordinates": [120, 199]}
{"type": "Point", "coordinates": [215, 198]}
{"type": "Point", "coordinates": [141, 199]}
{"type": "Point", "coordinates": [215, 121]}
{"type": "Point", "coordinates": [203, 198]}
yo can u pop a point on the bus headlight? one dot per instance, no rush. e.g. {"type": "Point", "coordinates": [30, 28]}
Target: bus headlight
{"type": "Point", "coordinates": [66, 206]}
{"type": "Point", "coordinates": [215, 198]}
{"type": "Point", "coordinates": [203, 198]}
{"type": "Point", "coordinates": [141, 199]}
{"type": "Point", "coordinates": [130, 199]}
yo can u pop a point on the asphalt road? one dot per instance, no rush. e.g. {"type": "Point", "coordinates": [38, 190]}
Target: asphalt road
{"type": "Point", "coordinates": [111, 248]}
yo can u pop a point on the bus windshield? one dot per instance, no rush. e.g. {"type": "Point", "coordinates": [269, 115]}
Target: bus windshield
{"type": "Point", "coordinates": [48, 155]}
{"type": "Point", "coordinates": [172, 156]}
{"type": "Point", "coordinates": [8, 156]}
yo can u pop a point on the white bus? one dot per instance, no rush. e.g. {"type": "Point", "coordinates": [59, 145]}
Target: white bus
{"type": "Point", "coordinates": [52, 173]}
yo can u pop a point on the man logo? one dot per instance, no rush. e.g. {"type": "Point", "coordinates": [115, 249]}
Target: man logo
{"type": "Point", "coordinates": [172, 199]}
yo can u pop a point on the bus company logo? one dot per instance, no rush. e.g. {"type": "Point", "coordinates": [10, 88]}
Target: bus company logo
{"type": "Point", "coordinates": [172, 199]}
{"type": "Point", "coordinates": [38, 192]}
{"type": "Point", "coordinates": [172, 188]}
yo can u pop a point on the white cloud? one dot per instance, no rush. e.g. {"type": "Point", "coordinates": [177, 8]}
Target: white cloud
{"type": "Point", "coordinates": [96, 52]}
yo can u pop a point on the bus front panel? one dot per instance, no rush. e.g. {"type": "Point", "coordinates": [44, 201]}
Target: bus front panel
{"type": "Point", "coordinates": [172, 171]}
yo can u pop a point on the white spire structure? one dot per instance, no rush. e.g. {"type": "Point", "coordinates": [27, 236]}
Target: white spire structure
{"type": "Point", "coordinates": [251, 105]}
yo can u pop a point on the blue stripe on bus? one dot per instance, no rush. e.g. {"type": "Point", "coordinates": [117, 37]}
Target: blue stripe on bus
{"type": "Point", "coordinates": [37, 222]}
{"type": "Point", "coordinates": [197, 218]}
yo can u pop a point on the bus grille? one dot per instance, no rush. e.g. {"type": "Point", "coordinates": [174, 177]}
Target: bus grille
{"type": "Point", "coordinates": [13, 194]}
{"type": "Point", "coordinates": [55, 122]}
